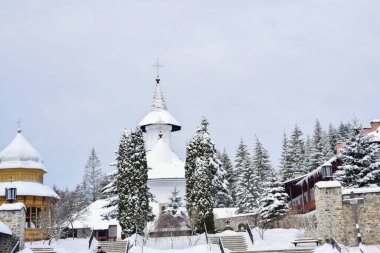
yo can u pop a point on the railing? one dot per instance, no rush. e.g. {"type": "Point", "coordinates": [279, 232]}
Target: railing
{"type": "Point", "coordinates": [221, 245]}
{"type": "Point", "coordinates": [16, 248]}
{"type": "Point", "coordinates": [336, 245]}
{"type": "Point", "coordinates": [91, 238]}
{"type": "Point", "coordinates": [204, 224]}
{"type": "Point", "coordinates": [128, 246]}
{"type": "Point", "coordinates": [250, 233]}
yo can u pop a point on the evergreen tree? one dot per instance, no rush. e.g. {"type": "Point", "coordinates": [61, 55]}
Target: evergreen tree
{"type": "Point", "coordinates": [360, 158]}
{"type": "Point", "coordinates": [247, 190]}
{"type": "Point", "coordinates": [231, 177]}
{"type": "Point", "coordinates": [285, 163]}
{"type": "Point", "coordinates": [261, 163]}
{"type": "Point", "coordinates": [274, 203]}
{"type": "Point", "coordinates": [175, 202]}
{"type": "Point", "coordinates": [316, 156]}
{"type": "Point", "coordinates": [296, 150]}
{"type": "Point", "coordinates": [92, 178]}
{"type": "Point", "coordinates": [203, 202]}
{"type": "Point", "coordinates": [307, 163]}
{"type": "Point", "coordinates": [333, 137]}
{"type": "Point", "coordinates": [327, 150]}
{"type": "Point", "coordinates": [203, 184]}
{"type": "Point", "coordinates": [132, 183]}
{"type": "Point", "coordinates": [344, 131]}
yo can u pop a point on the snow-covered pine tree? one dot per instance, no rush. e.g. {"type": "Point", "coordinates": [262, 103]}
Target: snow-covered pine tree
{"type": "Point", "coordinates": [327, 150]}
{"type": "Point", "coordinates": [231, 176]}
{"type": "Point", "coordinates": [307, 164]}
{"type": "Point", "coordinates": [332, 134]}
{"type": "Point", "coordinates": [316, 156]}
{"type": "Point", "coordinates": [360, 158]}
{"type": "Point", "coordinates": [203, 184]}
{"type": "Point", "coordinates": [285, 163]}
{"type": "Point", "coordinates": [344, 131]}
{"type": "Point", "coordinates": [247, 187]}
{"type": "Point", "coordinates": [274, 203]}
{"type": "Point", "coordinates": [92, 178]}
{"type": "Point", "coordinates": [203, 202]}
{"type": "Point", "coordinates": [175, 202]}
{"type": "Point", "coordinates": [132, 183]}
{"type": "Point", "coordinates": [261, 163]}
{"type": "Point", "coordinates": [296, 150]}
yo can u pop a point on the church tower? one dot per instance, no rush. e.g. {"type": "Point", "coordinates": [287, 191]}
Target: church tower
{"type": "Point", "coordinates": [22, 167]}
{"type": "Point", "coordinates": [167, 170]}
{"type": "Point", "coordinates": [159, 123]}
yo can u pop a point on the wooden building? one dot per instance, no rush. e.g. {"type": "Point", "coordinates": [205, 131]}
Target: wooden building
{"type": "Point", "coordinates": [301, 189]}
{"type": "Point", "coordinates": [21, 166]}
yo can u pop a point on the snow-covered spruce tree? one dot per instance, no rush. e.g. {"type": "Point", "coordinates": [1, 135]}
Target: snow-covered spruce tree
{"type": "Point", "coordinates": [333, 137]}
{"type": "Point", "coordinates": [327, 150]}
{"type": "Point", "coordinates": [274, 202]}
{"type": "Point", "coordinates": [92, 178]}
{"type": "Point", "coordinates": [175, 202]}
{"type": "Point", "coordinates": [344, 131]}
{"type": "Point", "coordinates": [247, 187]}
{"type": "Point", "coordinates": [316, 156]}
{"type": "Point", "coordinates": [231, 177]}
{"type": "Point", "coordinates": [296, 150]}
{"type": "Point", "coordinates": [285, 163]}
{"type": "Point", "coordinates": [307, 163]}
{"type": "Point", "coordinates": [261, 163]}
{"type": "Point", "coordinates": [361, 165]}
{"type": "Point", "coordinates": [203, 202]}
{"type": "Point", "coordinates": [203, 184]}
{"type": "Point", "coordinates": [132, 183]}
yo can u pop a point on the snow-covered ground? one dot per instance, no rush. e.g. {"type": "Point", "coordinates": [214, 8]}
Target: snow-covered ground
{"type": "Point", "coordinates": [62, 246]}
{"type": "Point", "coordinates": [273, 239]}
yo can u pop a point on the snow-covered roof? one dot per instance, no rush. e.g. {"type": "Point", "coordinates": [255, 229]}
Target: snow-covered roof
{"type": "Point", "coordinates": [220, 213]}
{"type": "Point", "coordinates": [4, 229]}
{"type": "Point", "coordinates": [294, 179]}
{"type": "Point", "coordinates": [375, 135]}
{"type": "Point", "coordinates": [93, 218]}
{"type": "Point", "coordinates": [26, 188]}
{"type": "Point", "coordinates": [328, 184]}
{"type": "Point", "coordinates": [317, 171]}
{"type": "Point", "coordinates": [20, 154]}
{"type": "Point", "coordinates": [361, 190]}
{"type": "Point", "coordinates": [162, 117]}
{"type": "Point", "coordinates": [12, 207]}
{"type": "Point", "coordinates": [159, 113]}
{"type": "Point", "coordinates": [164, 163]}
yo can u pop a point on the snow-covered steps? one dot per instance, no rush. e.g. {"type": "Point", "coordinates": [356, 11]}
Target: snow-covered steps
{"type": "Point", "coordinates": [280, 251]}
{"type": "Point", "coordinates": [112, 247]}
{"type": "Point", "coordinates": [43, 250]}
{"type": "Point", "coordinates": [233, 243]}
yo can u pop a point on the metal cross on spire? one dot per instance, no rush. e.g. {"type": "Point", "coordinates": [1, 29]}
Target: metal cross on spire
{"type": "Point", "coordinates": [158, 65]}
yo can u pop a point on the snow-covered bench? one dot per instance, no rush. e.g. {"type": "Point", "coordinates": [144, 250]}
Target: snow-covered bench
{"type": "Point", "coordinates": [306, 240]}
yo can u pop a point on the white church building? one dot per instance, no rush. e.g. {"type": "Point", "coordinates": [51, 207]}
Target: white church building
{"type": "Point", "coordinates": [166, 169]}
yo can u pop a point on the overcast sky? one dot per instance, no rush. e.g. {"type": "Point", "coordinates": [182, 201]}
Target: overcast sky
{"type": "Point", "coordinates": [78, 72]}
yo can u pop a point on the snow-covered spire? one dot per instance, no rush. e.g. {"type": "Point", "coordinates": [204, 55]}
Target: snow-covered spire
{"type": "Point", "coordinates": [158, 99]}
{"type": "Point", "coordinates": [20, 154]}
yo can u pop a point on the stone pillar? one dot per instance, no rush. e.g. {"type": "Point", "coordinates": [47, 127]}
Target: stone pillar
{"type": "Point", "coordinates": [13, 215]}
{"type": "Point", "coordinates": [329, 210]}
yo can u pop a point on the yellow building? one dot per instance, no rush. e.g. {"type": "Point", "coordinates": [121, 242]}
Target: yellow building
{"type": "Point", "coordinates": [22, 167]}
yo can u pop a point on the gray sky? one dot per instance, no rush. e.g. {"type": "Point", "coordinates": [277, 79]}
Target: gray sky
{"type": "Point", "coordinates": [78, 72]}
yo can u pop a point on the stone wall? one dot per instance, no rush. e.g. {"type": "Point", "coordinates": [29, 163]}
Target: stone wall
{"type": "Point", "coordinates": [6, 242]}
{"type": "Point", "coordinates": [236, 223]}
{"type": "Point", "coordinates": [335, 215]}
{"type": "Point", "coordinates": [13, 215]}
